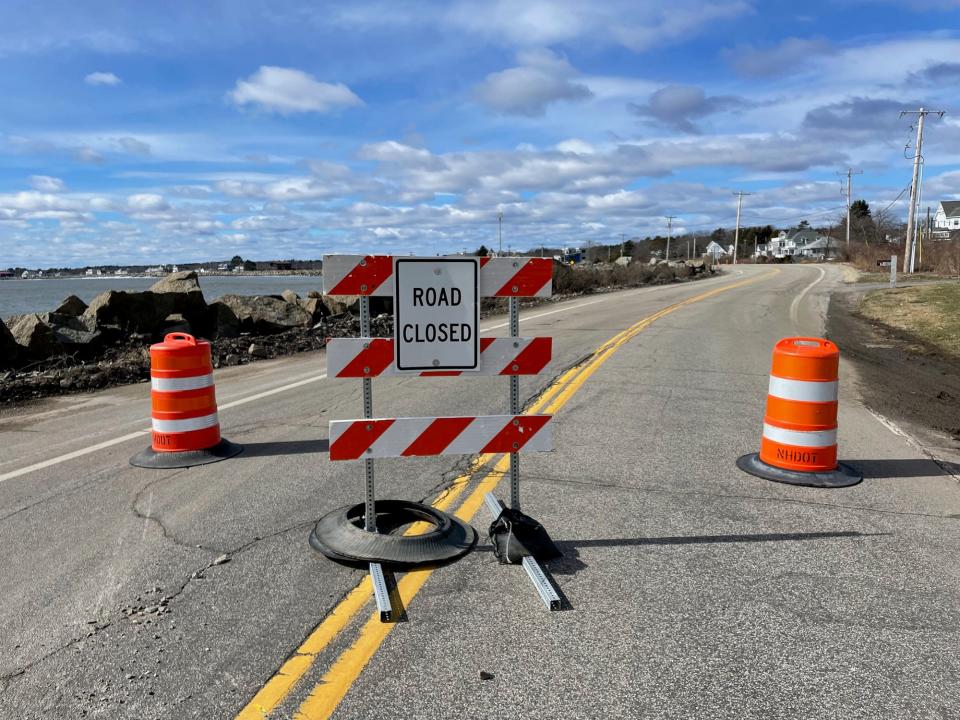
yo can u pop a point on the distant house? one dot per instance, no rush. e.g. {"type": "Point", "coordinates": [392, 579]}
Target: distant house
{"type": "Point", "coordinates": [801, 243]}
{"type": "Point", "coordinates": [947, 218]}
{"type": "Point", "coordinates": [716, 250]}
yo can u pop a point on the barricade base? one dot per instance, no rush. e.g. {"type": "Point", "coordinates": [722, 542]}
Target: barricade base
{"type": "Point", "coordinates": [150, 458]}
{"type": "Point", "coordinates": [339, 535]}
{"type": "Point", "coordinates": [843, 476]}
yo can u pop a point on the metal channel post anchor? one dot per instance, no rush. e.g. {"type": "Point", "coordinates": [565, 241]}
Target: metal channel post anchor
{"type": "Point", "coordinates": [534, 571]}
{"type": "Point", "coordinates": [380, 592]}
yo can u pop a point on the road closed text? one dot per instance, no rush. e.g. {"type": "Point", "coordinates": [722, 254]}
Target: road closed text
{"type": "Point", "coordinates": [436, 332]}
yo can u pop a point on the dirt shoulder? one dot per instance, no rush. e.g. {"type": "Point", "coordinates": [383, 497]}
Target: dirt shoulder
{"type": "Point", "coordinates": [905, 376]}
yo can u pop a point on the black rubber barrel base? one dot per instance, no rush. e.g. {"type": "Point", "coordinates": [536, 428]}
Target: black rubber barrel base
{"type": "Point", "coordinates": [843, 476]}
{"type": "Point", "coordinates": [150, 458]}
{"type": "Point", "coordinates": [339, 535]}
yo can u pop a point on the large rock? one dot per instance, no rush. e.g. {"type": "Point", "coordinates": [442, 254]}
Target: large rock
{"type": "Point", "coordinates": [36, 338]}
{"type": "Point", "coordinates": [222, 320]}
{"type": "Point", "coordinates": [290, 296]}
{"type": "Point", "coordinates": [173, 323]}
{"type": "Point", "coordinates": [71, 306]}
{"type": "Point", "coordinates": [9, 349]}
{"type": "Point", "coordinates": [131, 312]}
{"type": "Point", "coordinates": [339, 304]}
{"type": "Point", "coordinates": [264, 315]}
{"type": "Point", "coordinates": [180, 294]}
{"type": "Point", "coordinates": [316, 307]}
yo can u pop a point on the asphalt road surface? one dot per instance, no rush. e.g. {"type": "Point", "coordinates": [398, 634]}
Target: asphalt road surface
{"type": "Point", "coordinates": [691, 589]}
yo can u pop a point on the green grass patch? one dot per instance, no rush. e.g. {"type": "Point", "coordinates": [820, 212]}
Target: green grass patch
{"type": "Point", "coordinates": [931, 312]}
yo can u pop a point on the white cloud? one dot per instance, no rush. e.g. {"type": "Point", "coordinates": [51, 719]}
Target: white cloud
{"type": "Point", "coordinates": [678, 105]}
{"type": "Point", "coordinates": [541, 78]}
{"type": "Point", "coordinates": [47, 184]}
{"type": "Point", "coordinates": [89, 155]}
{"type": "Point", "coordinates": [147, 202]}
{"type": "Point", "coordinates": [636, 24]}
{"type": "Point", "coordinates": [102, 78]}
{"type": "Point", "coordinates": [287, 90]}
{"type": "Point", "coordinates": [788, 55]}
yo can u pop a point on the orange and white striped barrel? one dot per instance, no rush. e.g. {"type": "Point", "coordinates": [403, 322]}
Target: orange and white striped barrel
{"type": "Point", "coordinates": [800, 423]}
{"type": "Point", "coordinates": [184, 404]}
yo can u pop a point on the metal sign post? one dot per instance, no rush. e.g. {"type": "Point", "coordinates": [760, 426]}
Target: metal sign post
{"type": "Point", "coordinates": [370, 512]}
{"type": "Point", "coordinates": [514, 408]}
{"type": "Point", "coordinates": [893, 271]}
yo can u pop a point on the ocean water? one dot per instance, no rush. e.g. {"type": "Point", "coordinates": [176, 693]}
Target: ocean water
{"type": "Point", "coordinates": [18, 297]}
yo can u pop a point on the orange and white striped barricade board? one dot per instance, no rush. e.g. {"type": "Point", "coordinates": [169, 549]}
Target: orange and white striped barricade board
{"type": "Point", "coordinates": [499, 276]}
{"type": "Point", "coordinates": [799, 440]}
{"type": "Point", "coordinates": [185, 426]}
{"type": "Point", "coordinates": [367, 357]}
{"type": "Point", "coordinates": [419, 437]}
{"type": "Point", "coordinates": [373, 357]}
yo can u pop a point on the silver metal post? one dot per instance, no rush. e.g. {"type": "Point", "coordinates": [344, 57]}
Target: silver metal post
{"type": "Point", "coordinates": [514, 408]}
{"type": "Point", "coordinates": [536, 574]}
{"type": "Point", "coordinates": [369, 513]}
{"type": "Point", "coordinates": [893, 271]}
{"type": "Point", "coordinates": [380, 592]}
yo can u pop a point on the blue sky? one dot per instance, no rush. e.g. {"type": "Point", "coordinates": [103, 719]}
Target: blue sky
{"type": "Point", "coordinates": [175, 132]}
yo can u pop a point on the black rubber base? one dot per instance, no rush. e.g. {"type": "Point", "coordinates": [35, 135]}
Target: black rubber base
{"type": "Point", "coordinates": [150, 458]}
{"type": "Point", "coordinates": [843, 476]}
{"type": "Point", "coordinates": [340, 536]}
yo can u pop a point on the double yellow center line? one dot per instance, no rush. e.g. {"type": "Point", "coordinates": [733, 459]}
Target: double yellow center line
{"type": "Point", "coordinates": [336, 682]}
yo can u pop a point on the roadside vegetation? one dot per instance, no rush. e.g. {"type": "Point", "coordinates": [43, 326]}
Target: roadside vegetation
{"type": "Point", "coordinates": [930, 312]}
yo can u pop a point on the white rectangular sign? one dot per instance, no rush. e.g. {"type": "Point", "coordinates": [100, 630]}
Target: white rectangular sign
{"type": "Point", "coordinates": [436, 314]}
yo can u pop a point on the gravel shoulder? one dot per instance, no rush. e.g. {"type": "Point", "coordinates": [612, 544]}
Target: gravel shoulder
{"type": "Point", "coordinates": [907, 377]}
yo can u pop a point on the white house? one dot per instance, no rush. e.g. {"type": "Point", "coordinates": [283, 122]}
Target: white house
{"type": "Point", "coordinates": [948, 216]}
{"type": "Point", "coordinates": [803, 242]}
{"type": "Point", "coordinates": [716, 250]}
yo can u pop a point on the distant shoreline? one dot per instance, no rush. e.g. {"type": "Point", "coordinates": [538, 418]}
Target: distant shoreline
{"type": "Point", "coordinates": [251, 273]}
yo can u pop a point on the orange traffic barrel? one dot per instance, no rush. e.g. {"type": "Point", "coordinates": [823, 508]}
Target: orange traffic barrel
{"type": "Point", "coordinates": [799, 441]}
{"type": "Point", "coordinates": [185, 427]}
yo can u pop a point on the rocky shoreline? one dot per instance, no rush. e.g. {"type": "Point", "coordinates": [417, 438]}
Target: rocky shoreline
{"type": "Point", "coordinates": [80, 348]}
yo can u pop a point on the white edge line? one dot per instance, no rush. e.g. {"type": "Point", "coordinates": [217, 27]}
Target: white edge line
{"type": "Point", "coordinates": [267, 393]}
{"type": "Point", "coordinates": [146, 431]}
{"type": "Point", "coordinates": [795, 305]}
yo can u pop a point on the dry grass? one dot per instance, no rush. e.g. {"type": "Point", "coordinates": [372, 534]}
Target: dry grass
{"type": "Point", "coordinates": [931, 312]}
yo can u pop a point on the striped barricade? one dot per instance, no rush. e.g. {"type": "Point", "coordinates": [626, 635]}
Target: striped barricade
{"type": "Point", "coordinates": [413, 437]}
{"type": "Point", "coordinates": [499, 277]}
{"type": "Point", "coordinates": [185, 426]}
{"type": "Point", "coordinates": [799, 440]}
{"type": "Point", "coordinates": [373, 357]}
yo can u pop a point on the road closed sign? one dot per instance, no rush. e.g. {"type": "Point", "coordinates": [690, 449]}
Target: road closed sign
{"type": "Point", "coordinates": [436, 314]}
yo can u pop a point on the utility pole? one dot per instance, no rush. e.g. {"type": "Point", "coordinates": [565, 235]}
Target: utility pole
{"type": "Point", "coordinates": [623, 240]}
{"type": "Point", "coordinates": [736, 233]}
{"type": "Point", "coordinates": [914, 185]}
{"type": "Point", "coordinates": [669, 234]}
{"type": "Point", "coordinates": [500, 231]}
{"type": "Point", "coordinates": [850, 173]}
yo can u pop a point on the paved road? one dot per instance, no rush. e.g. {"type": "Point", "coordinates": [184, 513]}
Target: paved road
{"type": "Point", "coordinates": [693, 590]}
